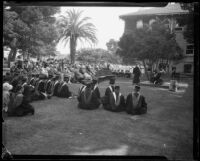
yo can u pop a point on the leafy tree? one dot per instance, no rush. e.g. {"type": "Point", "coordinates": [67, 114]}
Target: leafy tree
{"type": "Point", "coordinates": [30, 29]}
{"type": "Point", "coordinates": [74, 28]}
{"type": "Point", "coordinates": [112, 46]}
{"type": "Point", "coordinates": [188, 21]}
{"type": "Point", "coordinates": [150, 45]}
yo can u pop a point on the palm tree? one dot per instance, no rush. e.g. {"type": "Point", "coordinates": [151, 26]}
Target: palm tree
{"type": "Point", "coordinates": [73, 28]}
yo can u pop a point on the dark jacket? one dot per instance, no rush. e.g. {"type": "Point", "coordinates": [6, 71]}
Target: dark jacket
{"type": "Point", "coordinates": [111, 106]}
{"type": "Point", "coordinates": [141, 107]}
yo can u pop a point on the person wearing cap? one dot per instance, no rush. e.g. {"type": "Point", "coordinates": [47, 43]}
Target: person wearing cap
{"type": "Point", "coordinates": [116, 101]}
{"type": "Point", "coordinates": [87, 98]}
{"type": "Point", "coordinates": [96, 88]}
{"type": "Point", "coordinates": [56, 85]}
{"type": "Point", "coordinates": [42, 85]}
{"type": "Point", "coordinates": [39, 89]}
{"type": "Point", "coordinates": [109, 90]}
{"type": "Point", "coordinates": [135, 102]}
{"type": "Point", "coordinates": [49, 85]}
{"type": "Point", "coordinates": [32, 79]}
{"type": "Point", "coordinates": [63, 90]}
{"type": "Point", "coordinates": [136, 75]}
{"type": "Point", "coordinates": [19, 105]}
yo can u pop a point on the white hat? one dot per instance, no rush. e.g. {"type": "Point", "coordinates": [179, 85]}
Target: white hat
{"type": "Point", "coordinates": [7, 86]}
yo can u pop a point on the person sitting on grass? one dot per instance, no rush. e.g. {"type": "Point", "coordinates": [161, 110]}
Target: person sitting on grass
{"type": "Point", "coordinates": [109, 90]}
{"type": "Point", "coordinates": [56, 85]}
{"type": "Point", "coordinates": [135, 102]}
{"type": "Point", "coordinates": [18, 106]}
{"type": "Point", "coordinates": [50, 85]}
{"type": "Point", "coordinates": [63, 90]}
{"type": "Point", "coordinates": [87, 98]}
{"type": "Point", "coordinates": [116, 101]}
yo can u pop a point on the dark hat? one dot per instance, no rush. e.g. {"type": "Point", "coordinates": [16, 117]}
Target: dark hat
{"type": "Point", "coordinates": [56, 76]}
{"type": "Point", "coordinates": [50, 76]}
{"type": "Point", "coordinates": [137, 87]}
{"type": "Point", "coordinates": [117, 87]}
{"type": "Point", "coordinates": [87, 82]}
{"type": "Point", "coordinates": [112, 80]}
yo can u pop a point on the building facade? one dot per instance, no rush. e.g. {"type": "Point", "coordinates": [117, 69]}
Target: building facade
{"type": "Point", "coordinates": [171, 13]}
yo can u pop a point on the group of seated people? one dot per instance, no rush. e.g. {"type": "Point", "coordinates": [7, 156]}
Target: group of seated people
{"type": "Point", "coordinates": [89, 98]}
{"type": "Point", "coordinates": [20, 91]}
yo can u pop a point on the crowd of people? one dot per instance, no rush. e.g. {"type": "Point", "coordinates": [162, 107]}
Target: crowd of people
{"type": "Point", "coordinates": [30, 81]}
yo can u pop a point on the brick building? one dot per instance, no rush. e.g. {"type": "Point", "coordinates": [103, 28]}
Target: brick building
{"type": "Point", "coordinates": [170, 13]}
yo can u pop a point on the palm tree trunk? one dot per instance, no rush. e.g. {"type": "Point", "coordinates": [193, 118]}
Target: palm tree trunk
{"type": "Point", "coordinates": [72, 49]}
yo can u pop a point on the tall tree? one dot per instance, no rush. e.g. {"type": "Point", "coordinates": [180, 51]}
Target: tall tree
{"type": "Point", "coordinates": [150, 45]}
{"type": "Point", "coordinates": [188, 21]}
{"type": "Point", "coordinates": [112, 46]}
{"type": "Point", "coordinates": [29, 28]}
{"type": "Point", "coordinates": [74, 28]}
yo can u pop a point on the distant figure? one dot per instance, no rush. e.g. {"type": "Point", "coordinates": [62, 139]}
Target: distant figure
{"type": "Point", "coordinates": [135, 102]}
{"type": "Point", "coordinates": [137, 74]}
{"type": "Point", "coordinates": [173, 76]}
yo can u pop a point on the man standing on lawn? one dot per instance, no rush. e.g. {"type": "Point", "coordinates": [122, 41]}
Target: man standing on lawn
{"type": "Point", "coordinates": [135, 102]}
{"type": "Point", "coordinates": [136, 75]}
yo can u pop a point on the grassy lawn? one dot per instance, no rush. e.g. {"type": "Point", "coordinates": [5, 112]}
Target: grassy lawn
{"type": "Point", "coordinates": [60, 128]}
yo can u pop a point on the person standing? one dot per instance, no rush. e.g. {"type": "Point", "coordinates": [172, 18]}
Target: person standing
{"type": "Point", "coordinates": [136, 75]}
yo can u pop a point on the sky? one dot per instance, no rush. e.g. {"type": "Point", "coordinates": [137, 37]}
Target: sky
{"type": "Point", "coordinates": [107, 22]}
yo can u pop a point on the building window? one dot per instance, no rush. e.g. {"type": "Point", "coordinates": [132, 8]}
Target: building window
{"type": "Point", "coordinates": [188, 68]}
{"type": "Point", "coordinates": [190, 49]}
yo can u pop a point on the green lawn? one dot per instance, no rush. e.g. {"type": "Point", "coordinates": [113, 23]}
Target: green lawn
{"type": "Point", "coordinates": [60, 128]}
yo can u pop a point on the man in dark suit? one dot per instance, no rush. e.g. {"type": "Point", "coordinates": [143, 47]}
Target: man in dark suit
{"type": "Point", "coordinates": [135, 102]}
{"type": "Point", "coordinates": [50, 85]}
{"type": "Point", "coordinates": [109, 90]}
{"type": "Point", "coordinates": [87, 98]}
{"type": "Point", "coordinates": [137, 74]}
{"type": "Point", "coordinates": [63, 90]}
{"type": "Point", "coordinates": [116, 101]}
{"type": "Point", "coordinates": [56, 85]}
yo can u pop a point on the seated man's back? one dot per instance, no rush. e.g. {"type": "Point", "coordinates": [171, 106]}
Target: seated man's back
{"type": "Point", "coordinates": [135, 103]}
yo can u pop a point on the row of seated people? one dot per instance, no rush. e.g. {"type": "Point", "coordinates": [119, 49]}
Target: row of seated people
{"type": "Point", "coordinates": [46, 87]}
{"type": "Point", "coordinates": [22, 91]}
{"type": "Point", "coordinates": [89, 98]}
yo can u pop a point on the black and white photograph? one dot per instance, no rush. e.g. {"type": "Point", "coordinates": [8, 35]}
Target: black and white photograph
{"type": "Point", "coordinates": [99, 79]}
